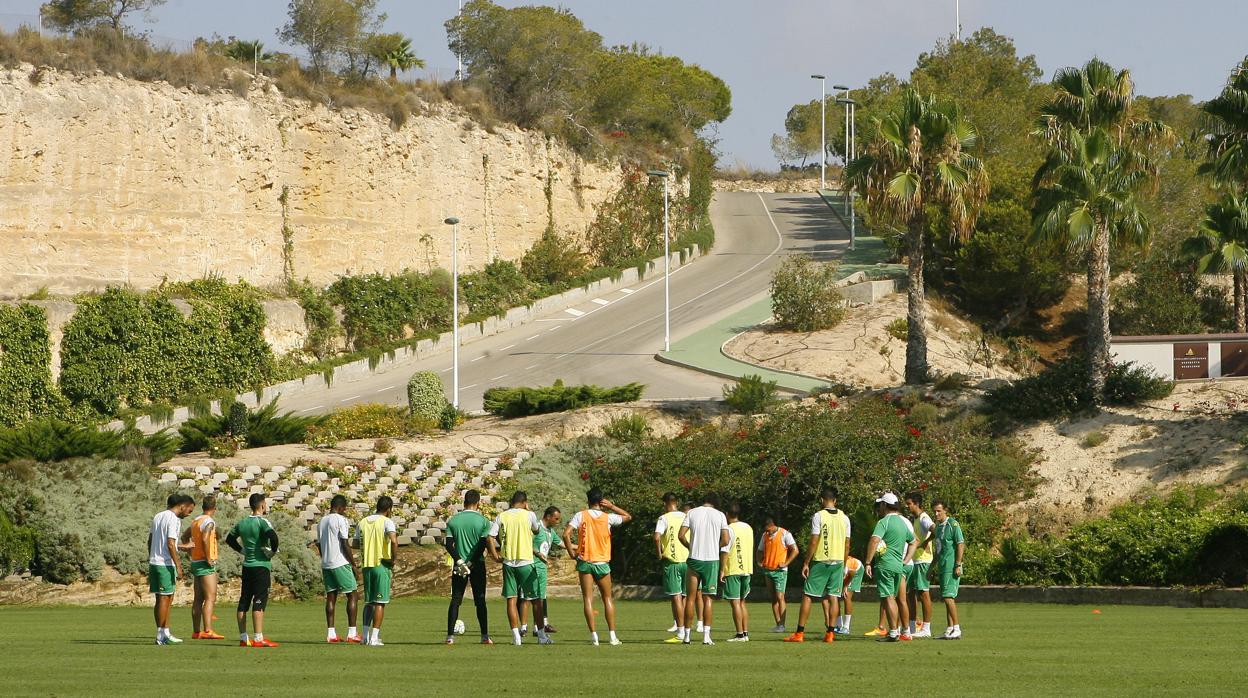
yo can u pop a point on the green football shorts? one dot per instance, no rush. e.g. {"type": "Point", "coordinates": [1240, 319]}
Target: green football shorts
{"type": "Point", "coordinates": [736, 586]}
{"type": "Point", "coordinates": [707, 572]}
{"type": "Point", "coordinates": [540, 575]}
{"type": "Point", "coordinates": [520, 582]}
{"type": "Point", "coordinates": [855, 584]}
{"type": "Point", "coordinates": [887, 581]}
{"type": "Point", "coordinates": [202, 568]}
{"type": "Point", "coordinates": [377, 584]}
{"type": "Point", "coordinates": [162, 580]}
{"type": "Point", "coordinates": [826, 578]}
{"type": "Point", "coordinates": [598, 569]}
{"type": "Point", "coordinates": [916, 577]}
{"type": "Point", "coordinates": [339, 580]}
{"type": "Point", "coordinates": [949, 583]}
{"type": "Point", "coordinates": [674, 577]}
{"type": "Point", "coordinates": [779, 579]}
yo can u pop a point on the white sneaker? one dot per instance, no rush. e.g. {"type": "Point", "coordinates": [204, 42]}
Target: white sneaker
{"type": "Point", "coordinates": [739, 638]}
{"type": "Point", "coordinates": [673, 629]}
{"type": "Point", "coordinates": [171, 640]}
{"type": "Point", "coordinates": [707, 642]}
{"type": "Point", "coordinates": [778, 629]}
{"type": "Point", "coordinates": [377, 643]}
{"type": "Point", "coordinates": [616, 642]}
{"type": "Point", "coordinates": [594, 643]}
{"type": "Point", "coordinates": [545, 640]}
{"type": "Point", "coordinates": [925, 632]}
{"type": "Point", "coordinates": [699, 628]}
{"type": "Point", "coordinates": [954, 635]}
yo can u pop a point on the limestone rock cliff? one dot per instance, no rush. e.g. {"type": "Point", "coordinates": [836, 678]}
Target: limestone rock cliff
{"type": "Point", "coordinates": [106, 181]}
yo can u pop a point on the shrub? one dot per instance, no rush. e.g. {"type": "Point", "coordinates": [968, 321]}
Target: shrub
{"type": "Point", "coordinates": [264, 428]}
{"type": "Point", "coordinates": [222, 447]}
{"type": "Point", "coordinates": [450, 417]}
{"type": "Point", "coordinates": [751, 395]}
{"type": "Point", "coordinates": [804, 296]}
{"type": "Point", "coordinates": [1093, 439]}
{"type": "Point", "coordinates": [26, 387]}
{"type": "Point", "coordinates": [96, 514]}
{"type": "Point", "coordinates": [367, 421]}
{"type": "Point", "coordinates": [51, 440]}
{"type": "Point", "coordinates": [495, 289]}
{"type": "Point", "coordinates": [425, 395]}
{"type": "Point", "coordinates": [898, 328]}
{"type": "Point", "coordinates": [17, 546]}
{"type": "Point", "coordinates": [952, 382]}
{"type": "Point", "coordinates": [1062, 390]}
{"type": "Point", "coordinates": [1128, 384]}
{"type": "Point", "coordinates": [923, 415]}
{"type": "Point", "coordinates": [320, 318]}
{"type": "Point", "coordinates": [554, 260]}
{"type": "Point", "coordinates": [378, 309]}
{"type": "Point", "coordinates": [629, 429]}
{"type": "Point", "coordinates": [779, 463]}
{"type": "Point", "coordinates": [520, 402]}
{"type": "Point", "coordinates": [236, 421]}
{"type": "Point", "coordinates": [382, 446]}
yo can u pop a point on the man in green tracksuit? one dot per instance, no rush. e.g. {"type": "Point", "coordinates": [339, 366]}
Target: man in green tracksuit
{"type": "Point", "coordinates": [898, 537]}
{"type": "Point", "coordinates": [950, 546]}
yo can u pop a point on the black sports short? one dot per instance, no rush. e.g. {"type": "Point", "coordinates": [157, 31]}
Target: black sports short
{"type": "Point", "coordinates": [256, 582]}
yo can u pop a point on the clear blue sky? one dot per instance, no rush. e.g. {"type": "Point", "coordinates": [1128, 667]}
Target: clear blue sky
{"type": "Point", "coordinates": [766, 49]}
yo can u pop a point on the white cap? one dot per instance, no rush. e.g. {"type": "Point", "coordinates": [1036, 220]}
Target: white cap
{"type": "Point", "coordinates": [887, 498]}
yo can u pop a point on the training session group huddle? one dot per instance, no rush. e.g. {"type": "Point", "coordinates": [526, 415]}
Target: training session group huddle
{"type": "Point", "coordinates": [704, 553]}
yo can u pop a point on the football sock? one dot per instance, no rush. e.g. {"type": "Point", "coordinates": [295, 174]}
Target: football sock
{"type": "Point", "coordinates": [242, 637]}
{"type": "Point", "coordinates": [801, 628]}
{"type": "Point", "coordinates": [594, 637]}
{"type": "Point", "coordinates": [524, 628]}
{"type": "Point", "coordinates": [682, 632]}
{"type": "Point", "coordinates": [331, 634]}
{"type": "Point", "coordinates": [515, 635]}
{"type": "Point", "coordinates": [706, 632]}
{"type": "Point", "coordinates": [845, 623]}
{"type": "Point", "coordinates": [545, 621]}
{"type": "Point", "coordinates": [375, 636]}
{"type": "Point", "coordinates": [366, 635]}
{"type": "Point", "coordinates": [259, 637]}
{"type": "Point", "coordinates": [893, 632]}
{"type": "Point", "coordinates": [613, 637]}
{"type": "Point", "coordinates": [352, 632]}
{"type": "Point", "coordinates": [912, 627]}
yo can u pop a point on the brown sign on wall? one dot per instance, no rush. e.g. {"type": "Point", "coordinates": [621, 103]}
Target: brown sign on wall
{"type": "Point", "coordinates": [1235, 358]}
{"type": "Point", "coordinates": [1191, 361]}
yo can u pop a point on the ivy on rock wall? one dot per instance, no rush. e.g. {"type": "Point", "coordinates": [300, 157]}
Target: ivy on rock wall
{"type": "Point", "coordinates": [26, 388]}
{"type": "Point", "coordinates": [124, 348]}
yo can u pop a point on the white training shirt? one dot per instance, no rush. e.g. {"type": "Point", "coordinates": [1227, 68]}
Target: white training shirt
{"type": "Point", "coordinates": [534, 526]}
{"type": "Point", "coordinates": [705, 523]}
{"type": "Point", "coordinates": [165, 525]}
{"type": "Point", "coordinates": [787, 540]}
{"type": "Point", "coordinates": [661, 527]}
{"type": "Point", "coordinates": [330, 532]}
{"type": "Point", "coordinates": [612, 519]}
{"type": "Point", "coordinates": [923, 530]}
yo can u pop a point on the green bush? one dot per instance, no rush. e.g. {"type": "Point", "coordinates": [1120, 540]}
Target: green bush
{"type": "Point", "coordinates": [520, 402]}
{"type": "Point", "coordinates": [124, 348]}
{"type": "Point", "coordinates": [1184, 538]}
{"type": "Point", "coordinates": [898, 328]}
{"type": "Point", "coordinates": [26, 387]}
{"type": "Point", "coordinates": [425, 395]}
{"type": "Point", "coordinates": [554, 261]}
{"type": "Point", "coordinates": [779, 464]}
{"type": "Point", "coordinates": [17, 546]}
{"type": "Point", "coordinates": [494, 290]}
{"type": "Point", "coordinates": [367, 421]}
{"type": "Point", "coordinates": [264, 428]}
{"type": "Point", "coordinates": [804, 296]}
{"type": "Point", "coordinates": [450, 417]}
{"type": "Point", "coordinates": [1093, 439]}
{"type": "Point", "coordinates": [629, 429]}
{"type": "Point", "coordinates": [236, 420]}
{"type": "Point", "coordinates": [751, 395]}
{"type": "Point", "coordinates": [378, 309]}
{"type": "Point", "coordinates": [924, 415]}
{"type": "Point", "coordinates": [51, 440]}
{"type": "Point", "coordinates": [1062, 390]}
{"type": "Point", "coordinates": [96, 514]}
{"type": "Point", "coordinates": [320, 318]}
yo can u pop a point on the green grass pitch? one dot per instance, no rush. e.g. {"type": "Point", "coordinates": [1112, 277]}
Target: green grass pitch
{"type": "Point", "coordinates": [1008, 649]}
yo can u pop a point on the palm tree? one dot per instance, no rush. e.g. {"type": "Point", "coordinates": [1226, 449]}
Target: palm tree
{"type": "Point", "coordinates": [247, 52]}
{"type": "Point", "coordinates": [1221, 245]}
{"type": "Point", "coordinates": [394, 50]}
{"type": "Point", "coordinates": [918, 158]}
{"type": "Point", "coordinates": [1228, 137]}
{"type": "Point", "coordinates": [1087, 198]}
{"type": "Point", "coordinates": [1094, 135]}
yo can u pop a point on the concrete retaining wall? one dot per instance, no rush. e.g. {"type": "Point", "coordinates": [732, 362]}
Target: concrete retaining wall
{"type": "Point", "coordinates": [426, 348]}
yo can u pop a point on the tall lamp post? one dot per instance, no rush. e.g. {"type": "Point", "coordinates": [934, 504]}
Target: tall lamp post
{"type": "Point", "coordinates": [852, 152]}
{"type": "Point", "coordinates": [667, 264]}
{"type": "Point", "coordinates": [845, 89]}
{"type": "Point", "coordinates": [454, 223]}
{"type": "Point", "coordinates": [823, 123]}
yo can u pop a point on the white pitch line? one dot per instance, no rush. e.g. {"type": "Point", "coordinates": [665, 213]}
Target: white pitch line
{"type": "Point", "coordinates": [509, 346]}
{"type": "Point", "coordinates": [574, 312]}
{"type": "Point", "coordinates": [602, 301]}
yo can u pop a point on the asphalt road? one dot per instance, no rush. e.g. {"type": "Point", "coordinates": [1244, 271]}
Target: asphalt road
{"type": "Point", "coordinates": [612, 339]}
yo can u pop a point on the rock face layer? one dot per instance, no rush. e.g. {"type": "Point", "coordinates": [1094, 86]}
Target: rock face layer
{"type": "Point", "coordinates": [107, 181]}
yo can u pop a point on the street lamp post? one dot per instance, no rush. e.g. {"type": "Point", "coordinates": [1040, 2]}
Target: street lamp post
{"type": "Point", "coordinates": [847, 155]}
{"type": "Point", "coordinates": [454, 223]}
{"type": "Point", "coordinates": [851, 136]}
{"type": "Point", "coordinates": [667, 264]}
{"type": "Point", "coordinates": [823, 123]}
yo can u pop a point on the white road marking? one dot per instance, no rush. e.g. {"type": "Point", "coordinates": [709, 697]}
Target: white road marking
{"type": "Point", "coordinates": [310, 409]}
{"type": "Point", "coordinates": [530, 339]}
{"type": "Point", "coordinates": [499, 377]}
{"type": "Point", "coordinates": [552, 319]}
{"type": "Point", "coordinates": [529, 368]}
{"type": "Point", "coordinates": [574, 312]}
{"type": "Point", "coordinates": [469, 386]}
{"type": "Point", "coordinates": [476, 359]}
{"type": "Point", "coordinates": [446, 370]}
{"type": "Point", "coordinates": [752, 267]}
{"type": "Point", "coordinates": [601, 301]}
{"type": "Point", "coordinates": [353, 397]}
{"type": "Point", "coordinates": [509, 346]}
{"type": "Point", "coordinates": [627, 291]}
